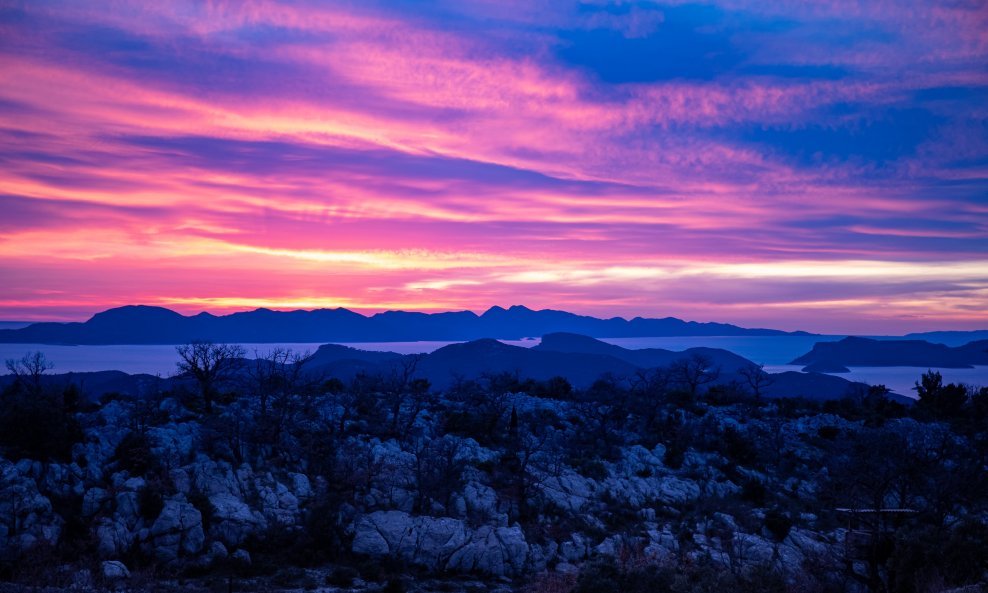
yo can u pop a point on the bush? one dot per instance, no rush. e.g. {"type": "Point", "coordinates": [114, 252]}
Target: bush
{"type": "Point", "coordinates": [151, 501]}
{"type": "Point", "coordinates": [37, 425]}
{"type": "Point", "coordinates": [778, 524]}
{"type": "Point", "coordinates": [738, 446]}
{"type": "Point", "coordinates": [605, 576]}
{"type": "Point", "coordinates": [291, 577]}
{"type": "Point", "coordinates": [590, 467]}
{"type": "Point", "coordinates": [674, 456]}
{"type": "Point", "coordinates": [753, 491]}
{"type": "Point", "coordinates": [134, 454]}
{"type": "Point", "coordinates": [342, 576]}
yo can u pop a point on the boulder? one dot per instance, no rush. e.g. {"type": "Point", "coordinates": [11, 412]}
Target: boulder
{"type": "Point", "coordinates": [114, 570]}
{"type": "Point", "coordinates": [301, 485]}
{"type": "Point", "coordinates": [217, 551]}
{"type": "Point", "coordinates": [94, 501]}
{"type": "Point", "coordinates": [177, 531]}
{"type": "Point", "coordinates": [233, 521]}
{"type": "Point", "coordinates": [26, 516]}
{"type": "Point", "coordinates": [278, 503]}
{"type": "Point", "coordinates": [113, 538]}
{"type": "Point", "coordinates": [442, 543]}
{"type": "Point", "coordinates": [497, 551]}
{"type": "Point", "coordinates": [241, 558]}
{"type": "Point", "coordinates": [128, 505]}
{"type": "Point", "coordinates": [569, 490]}
{"type": "Point", "coordinates": [638, 492]}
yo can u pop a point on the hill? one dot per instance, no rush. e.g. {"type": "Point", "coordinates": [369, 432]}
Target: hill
{"type": "Point", "coordinates": [865, 352]}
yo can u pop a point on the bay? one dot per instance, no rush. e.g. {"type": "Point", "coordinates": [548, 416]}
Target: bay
{"type": "Point", "coordinates": [775, 352]}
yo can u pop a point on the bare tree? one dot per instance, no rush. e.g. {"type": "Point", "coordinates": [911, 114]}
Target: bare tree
{"type": "Point", "coordinates": [755, 378]}
{"type": "Point", "coordinates": [29, 369]}
{"type": "Point", "coordinates": [209, 364]}
{"type": "Point", "coordinates": [603, 424]}
{"type": "Point", "coordinates": [694, 371]}
{"type": "Point", "coordinates": [648, 388]}
{"type": "Point", "coordinates": [438, 470]}
{"type": "Point", "coordinates": [277, 374]}
{"type": "Point", "coordinates": [276, 379]}
{"type": "Point", "coordinates": [399, 387]}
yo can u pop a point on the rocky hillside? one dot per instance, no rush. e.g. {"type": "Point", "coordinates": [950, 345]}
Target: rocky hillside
{"type": "Point", "coordinates": [383, 483]}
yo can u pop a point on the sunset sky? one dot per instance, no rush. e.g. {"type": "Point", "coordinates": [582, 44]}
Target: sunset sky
{"type": "Point", "coordinates": [799, 165]}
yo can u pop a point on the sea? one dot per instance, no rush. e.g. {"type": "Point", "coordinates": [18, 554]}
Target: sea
{"type": "Point", "coordinates": [775, 352]}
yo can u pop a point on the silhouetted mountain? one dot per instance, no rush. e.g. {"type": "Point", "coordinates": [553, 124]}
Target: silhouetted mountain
{"type": "Point", "coordinates": [865, 352]}
{"type": "Point", "coordinates": [582, 360]}
{"type": "Point", "coordinates": [332, 353]}
{"type": "Point", "coordinates": [728, 362]}
{"type": "Point", "coordinates": [472, 359]}
{"type": "Point", "coordinates": [950, 338]}
{"type": "Point", "coordinates": [139, 324]}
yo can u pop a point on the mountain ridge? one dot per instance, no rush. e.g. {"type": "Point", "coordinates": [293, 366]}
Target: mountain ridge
{"type": "Point", "coordinates": [144, 324]}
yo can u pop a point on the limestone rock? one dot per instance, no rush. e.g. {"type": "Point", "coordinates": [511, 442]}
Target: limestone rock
{"type": "Point", "coordinates": [442, 543]}
{"type": "Point", "coordinates": [177, 531]}
{"type": "Point", "coordinates": [114, 570]}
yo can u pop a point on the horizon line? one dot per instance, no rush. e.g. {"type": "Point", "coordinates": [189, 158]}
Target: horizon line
{"type": "Point", "coordinates": [378, 311]}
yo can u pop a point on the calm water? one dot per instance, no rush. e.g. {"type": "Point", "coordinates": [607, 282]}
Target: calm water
{"type": "Point", "coordinates": [760, 349]}
{"type": "Point", "coordinates": [901, 379]}
{"type": "Point", "coordinates": [772, 351]}
{"type": "Point", "coordinates": [161, 359]}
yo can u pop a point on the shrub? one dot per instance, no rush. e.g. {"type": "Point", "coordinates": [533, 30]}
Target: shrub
{"type": "Point", "coordinates": [737, 446]}
{"type": "Point", "coordinates": [342, 576]}
{"type": "Point", "coordinates": [778, 524]}
{"type": "Point", "coordinates": [674, 456]}
{"type": "Point", "coordinates": [151, 500]}
{"type": "Point", "coordinates": [134, 454]}
{"type": "Point", "coordinates": [753, 491]}
{"type": "Point", "coordinates": [590, 467]}
{"type": "Point", "coordinates": [605, 576]}
{"type": "Point", "coordinates": [291, 577]}
{"type": "Point", "coordinates": [37, 425]}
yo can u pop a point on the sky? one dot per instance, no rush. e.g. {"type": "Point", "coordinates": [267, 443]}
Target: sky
{"type": "Point", "coordinates": [798, 165]}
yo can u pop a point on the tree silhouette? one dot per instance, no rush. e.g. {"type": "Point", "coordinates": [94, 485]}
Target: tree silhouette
{"type": "Point", "coordinates": [29, 370]}
{"type": "Point", "coordinates": [693, 372]}
{"type": "Point", "coordinates": [209, 364]}
{"type": "Point", "coordinates": [755, 378]}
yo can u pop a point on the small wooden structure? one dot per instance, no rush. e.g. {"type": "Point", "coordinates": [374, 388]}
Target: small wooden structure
{"type": "Point", "coordinates": [870, 531]}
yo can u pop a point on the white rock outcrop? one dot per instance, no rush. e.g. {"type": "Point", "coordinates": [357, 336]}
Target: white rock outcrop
{"type": "Point", "coordinates": [442, 543]}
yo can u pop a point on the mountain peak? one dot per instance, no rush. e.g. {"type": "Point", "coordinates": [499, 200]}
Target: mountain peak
{"type": "Point", "coordinates": [130, 312]}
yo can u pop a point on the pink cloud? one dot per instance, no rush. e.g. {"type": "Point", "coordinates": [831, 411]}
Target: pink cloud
{"type": "Point", "coordinates": [405, 143]}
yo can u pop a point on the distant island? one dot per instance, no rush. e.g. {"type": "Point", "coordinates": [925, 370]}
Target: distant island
{"type": "Point", "coordinates": [865, 352]}
{"type": "Point", "coordinates": [140, 324]}
{"type": "Point", "coordinates": [950, 338]}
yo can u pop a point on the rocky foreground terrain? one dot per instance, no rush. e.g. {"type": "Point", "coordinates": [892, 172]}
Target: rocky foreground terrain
{"type": "Point", "coordinates": [276, 480]}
